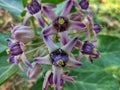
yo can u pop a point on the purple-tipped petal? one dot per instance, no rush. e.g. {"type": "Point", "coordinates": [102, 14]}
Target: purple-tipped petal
{"type": "Point", "coordinates": [10, 41]}
{"type": "Point", "coordinates": [77, 16]}
{"type": "Point", "coordinates": [75, 3]}
{"type": "Point", "coordinates": [22, 46]}
{"type": "Point", "coordinates": [40, 20]}
{"type": "Point", "coordinates": [95, 37]}
{"type": "Point", "coordinates": [79, 56]}
{"type": "Point", "coordinates": [13, 59]}
{"type": "Point", "coordinates": [48, 31]}
{"type": "Point", "coordinates": [67, 7]}
{"type": "Point", "coordinates": [90, 12]}
{"type": "Point", "coordinates": [46, 80]}
{"type": "Point", "coordinates": [35, 71]}
{"type": "Point", "coordinates": [68, 78]}
{"type": "Point", "coordinates": [77, 25]}
{"type": "Point", "coordinates": [73, 62]}
{"type": "Point", "coordinates": [64, 37]}
{"type": "Point", "coordinates": [21, 68]}
{"type": "Point", "coordinates": [49, 43]}
{"type": "Point", "coordinates": [25, 60]}
{"type": "Point", "coordinates": [50, 6]}
{"type": "Point", "coordinates": [79, 44]}
{"type": "Point", "coordinates": [26, 17]}
{"type": "Point", "coordinates": [42, 60]}
{"type": "Point", "coordinates": [49, 13]}
{"type": "Point", "coordinates": [68, 47]}
{"type": "Point", "coordinates": [57, 77]}
{"type": "Point", "coordinates": [87, 34]}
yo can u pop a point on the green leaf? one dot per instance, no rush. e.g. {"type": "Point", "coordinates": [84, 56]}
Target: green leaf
{"type": "Point", "coordinates": [9, 71]}
{"type": "Point", "coordinates": [3, 43]}
{"type": "Point", "coordinates": [52, 1]}
{"type": "Point", "coordinates": [108, 43]}
{"type": "Point", "coordinates": [13, 6]}
{"type": "Point", "coordinates": [6, 70]}
{"type": "Point", "coordinates": [24, 2]}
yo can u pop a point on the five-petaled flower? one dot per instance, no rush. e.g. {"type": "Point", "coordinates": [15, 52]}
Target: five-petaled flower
{"type": "Point", "coordinates": [49, 79]}
{"type": "Point", "coordinates": [35, 8]}
{"type": "Point", "coordinates": [62, 22]}
{"type": "Point", "coordinates": [16, 53]}
{"type": "Point", "coordinates": [58, 58]}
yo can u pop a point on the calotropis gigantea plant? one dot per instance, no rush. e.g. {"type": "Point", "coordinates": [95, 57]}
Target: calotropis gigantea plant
{"type": "Point", "coordinates": [56, 43]}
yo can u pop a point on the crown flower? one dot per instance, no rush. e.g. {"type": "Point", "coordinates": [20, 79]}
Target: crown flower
{"type": "Point", "coordinates": [60, 42]}
{"type": "Point", "coordinates": [62, 23]}
{"type": "Point", "coordinates": [58, 58]}
{"type": "Point", "coordinates": [16, 53]}
{"type": "Point", "coordinates": [89, 50]}
{"type": "Point", "coordinates": [35, 8]}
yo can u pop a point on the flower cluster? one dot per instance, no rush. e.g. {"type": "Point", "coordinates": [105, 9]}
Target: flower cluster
{"type": "Point", "coordinates": [54, 46]}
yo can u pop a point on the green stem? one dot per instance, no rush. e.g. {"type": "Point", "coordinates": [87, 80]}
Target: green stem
{"type": "Point", "coordinates": [35, 44]}
{"type": "Point", "coordinates": [33, 25]}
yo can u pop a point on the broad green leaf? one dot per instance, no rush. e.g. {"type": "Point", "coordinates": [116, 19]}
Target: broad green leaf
{"type": "Point", "coordinates": [3, 43]}
{"type": "Point", "coordinates": [52, 1]}
{"type": "Point", "coordinates": [4, 76]}
{"type": "Point", "coordinates": [13, 6]}
{"type": "Point", "coordinates": [108, 43]}
{"type": "Point", "coordinates": [3, 59]}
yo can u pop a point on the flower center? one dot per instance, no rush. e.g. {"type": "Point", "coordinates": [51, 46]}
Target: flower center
{"type": "Point", "coordinates": [59, 58]}
{"type": "Point", "coordinates": [61, 23]}
{"type": "Point", "coordinates": [60, 62]}
{"type": "Point", "coordinates": [33, 7]}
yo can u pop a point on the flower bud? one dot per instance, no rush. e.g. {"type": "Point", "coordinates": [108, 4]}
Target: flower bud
{"type": "Point", "coordinates": [90, 50]}
{"type": "Point", "coordinates": [34, 7]}
{"type": "Point", "coordinates": [22, 33]}
{"type": "Point", "coordinates": [97, 28]}
{"type": "Point", "coordinates": [84, 4]}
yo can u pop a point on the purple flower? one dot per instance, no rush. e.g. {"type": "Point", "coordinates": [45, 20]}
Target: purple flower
{"type": "Point", "coordinates": [34, 71]}
{"type": "Point", "coordinates": [62, 22]}
{"type": "Point", "coordinates": [49, 79]}
{"type": "Point", "coordinates": [84, 4]}
{"type": "Point", "coordinates": [97, 28]}
{"type": "Point", "coordinates": [35, 8]}
{"type": "Point", "coordinates": [59, 58]}
{"type": "Point", "coordinates": [22, 33]}
{"type": "Point", "coordinates": [16, 53]}
{"type": "Point", "coordinates": [89, 50]}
